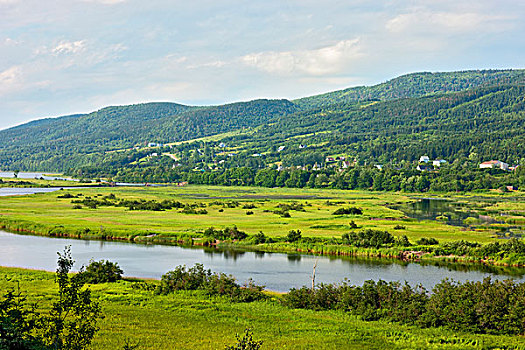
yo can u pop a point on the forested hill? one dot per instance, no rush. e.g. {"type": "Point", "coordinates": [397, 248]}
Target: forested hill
{"type": "Point", "coordinates": [415, 85]}
{"type": "Point", "coordinates": [458, 114]}
{"type": "Point", "coordinates": [58, 144]}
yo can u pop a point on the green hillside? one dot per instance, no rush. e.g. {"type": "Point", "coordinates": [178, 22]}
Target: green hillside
{"type": "Point", "coordinates": [462, 117]}
{"type": "Point", "coordinates": [415, 85]}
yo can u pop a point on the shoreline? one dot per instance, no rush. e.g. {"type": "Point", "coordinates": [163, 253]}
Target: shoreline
{"type": "Point", "coordinates": [396, 254]}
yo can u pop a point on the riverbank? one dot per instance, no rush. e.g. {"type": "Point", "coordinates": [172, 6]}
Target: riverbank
{"type": "Point", "coordinates": [182, 216]}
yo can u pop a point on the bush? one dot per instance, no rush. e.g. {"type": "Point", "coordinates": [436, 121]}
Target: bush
{"type": "Point", "coordinates": [198, 278]}
{"type": "Point", "coordinates": [293, 236]}
{"type": "Point", "coordinates": [103, 271]}
{"type": "Point", "coordinates": [246, 342]}
{"type": "Point", "coordinates": [348, 211]}
{"type": "Point", "coordinates": [399, 227]}
{"type": "Point", "coordinates": [368, 238]}
{"type": "Point", "coordinates": [227, 233]}
{"type": "Point", "coordinates": [259, 238]}
{"type": "Point", "coordinates": [427, 241]}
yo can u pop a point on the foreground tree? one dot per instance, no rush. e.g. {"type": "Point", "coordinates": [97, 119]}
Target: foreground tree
{"type": "Point", "coordinates": [71, 324]}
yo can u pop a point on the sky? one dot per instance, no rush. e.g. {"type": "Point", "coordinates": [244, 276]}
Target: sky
{"type": "Point", "coordinates": [60, 57]}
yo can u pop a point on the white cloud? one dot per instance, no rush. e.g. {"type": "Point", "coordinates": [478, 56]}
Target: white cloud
{"type": "Point", "coordinates": [326, 60]}
{"type": "Point", "coordinates": [420, 20]}
{"type": "Point", "coordinates": [10, 76]}
{"type": "Point", "coordinates": [69, 47]}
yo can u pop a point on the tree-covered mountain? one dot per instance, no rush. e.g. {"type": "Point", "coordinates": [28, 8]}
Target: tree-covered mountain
{"type": "Point", "coordinates": [58, 144]}
{"type": "Point", "coordinates": [463, 117]}
{"type": "Point", "coordinates": [415, 85]}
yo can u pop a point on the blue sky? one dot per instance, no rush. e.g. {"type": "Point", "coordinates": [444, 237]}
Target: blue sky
{"type": "Point", "coordinates": [61, 57]}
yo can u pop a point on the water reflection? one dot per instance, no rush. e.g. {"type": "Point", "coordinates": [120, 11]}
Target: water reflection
{"type": "Point", "coordinates": [277, 271]}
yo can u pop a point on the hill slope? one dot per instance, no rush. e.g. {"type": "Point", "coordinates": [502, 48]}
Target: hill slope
{"type": "Point", "coordinates": [443, 114]}
{"type": "Point", "coordinates": [415, 85]}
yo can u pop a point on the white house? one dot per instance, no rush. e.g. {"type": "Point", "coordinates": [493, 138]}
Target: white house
{"type": "Point", "coordinates": [438, 162]}
{"type": "Point", "coordinates": [424, 159]}
{"type": "Point", "coordinates": [493, 164]}
{"type": "Point", "coordinates": [281, 148]}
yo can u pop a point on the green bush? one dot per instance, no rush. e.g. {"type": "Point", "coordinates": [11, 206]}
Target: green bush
{"type": "Point", "coordinates": [102, 271]}
{"type": "Point", "coordinates": [348, 211]}
{"type": "Point", "coordinates": [368, 238]}
{"type": "Point", "coordinates": [198, 278]}
{"type": "Point", "coordinates": [293, 236]}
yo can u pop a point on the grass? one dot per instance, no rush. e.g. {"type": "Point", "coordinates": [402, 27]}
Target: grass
{"type": "Point", "coordinates": [192, 320]}
{"type": "Point", "coordinates": [48, 211]}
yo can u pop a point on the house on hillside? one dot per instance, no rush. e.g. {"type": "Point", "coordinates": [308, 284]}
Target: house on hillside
{"type": "Point", "coordinates": [438, 162]}
{"type": "Point", "coordinates": [281, 148]}
{"type": "Point", "coordinates": [330, 159]}
{"type": "Point", "coordinates": [424, 159]}
{"type": "Point", "coordinates": [494, 164]}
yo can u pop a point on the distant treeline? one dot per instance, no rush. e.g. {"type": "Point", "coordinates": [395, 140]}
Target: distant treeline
{"type": "Point", "coordinates": [459, 177]}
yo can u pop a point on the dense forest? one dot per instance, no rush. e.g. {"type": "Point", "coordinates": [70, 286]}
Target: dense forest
{"type": "Point", "coordinates": [364, 137]}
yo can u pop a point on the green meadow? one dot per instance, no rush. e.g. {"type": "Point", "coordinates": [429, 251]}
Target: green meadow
{"type": "Point", "coordinates": [193, 320]}
{"type": "Point", "coordinates": [42, 213]}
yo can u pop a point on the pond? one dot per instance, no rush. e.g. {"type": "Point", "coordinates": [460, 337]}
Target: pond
{"type": "Point", "coordinates": [450, 212]}
{"type": "Point", "coordinates": [278, 272]}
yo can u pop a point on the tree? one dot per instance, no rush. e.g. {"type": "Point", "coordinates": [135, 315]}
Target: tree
{"type": "Point", "coordinates": [17, 324]}
{"type": "Point", "coordinates": [72, 322]}
{"type": "Point", "coordinates": [70, 325]}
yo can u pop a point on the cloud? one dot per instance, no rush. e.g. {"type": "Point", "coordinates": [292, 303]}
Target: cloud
{"type": "Point", "coordinates": [326, 60]}
{"type": "Point", "coordinates": [10, 76]}
{"type": "Point", "coordinates": [69, 47]}
{"type": "Point", "coordinates": [421, 20]}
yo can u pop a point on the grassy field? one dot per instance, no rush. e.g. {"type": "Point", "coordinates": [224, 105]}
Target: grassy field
{"type": "Point", "coordinates": [47, 212]}
{"type": "Point", "coordinates": [192, 320]}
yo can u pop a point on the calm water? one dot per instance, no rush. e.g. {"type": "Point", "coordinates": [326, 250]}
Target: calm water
{"type": "Point", "coordinates": [278, 272]}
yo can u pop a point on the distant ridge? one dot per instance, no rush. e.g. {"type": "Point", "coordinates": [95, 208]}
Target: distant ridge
{"type": "Point", "coordinates": [354, 117]}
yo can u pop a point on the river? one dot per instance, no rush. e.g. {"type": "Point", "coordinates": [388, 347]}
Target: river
{"type": "Point", "coordinates": [278, 272]}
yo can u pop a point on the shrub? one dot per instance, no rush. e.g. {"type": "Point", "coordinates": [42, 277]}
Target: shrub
{"type": "Point", "coordinates": [427, 241]}
{"type": "Point", "coordinates": [368, 238]}
{"type": "Point", "coordinates": [259, 238]}
{"type": "Point", "coordinates": [103, 271]}
{"type": "Point", "coordinates": [198, 278]}
{"type": "Point", "coordinates": [249, 212]}
{"type": "Point", "coordinates": [246, 342]}
{"type": "Point", "coordinates": [348, 211]}
{"type": "Point", "coordinates": [293, 236]}
{"type": "Point", "coordinates": [399, 227]}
